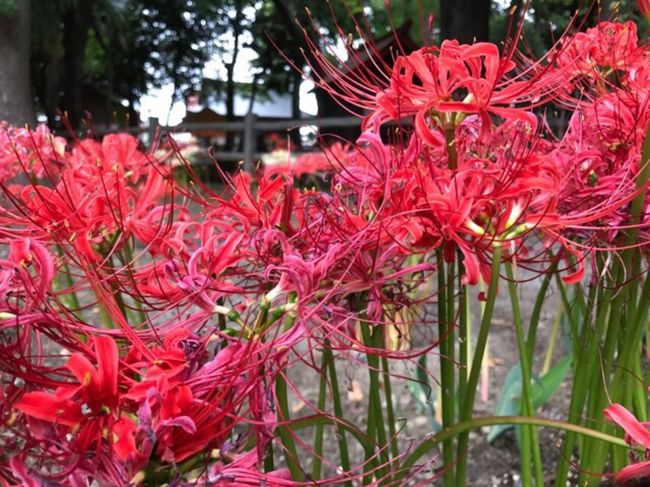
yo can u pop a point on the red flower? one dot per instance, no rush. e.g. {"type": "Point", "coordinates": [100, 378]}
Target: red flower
{"type": "Point", "coordinates": [25, 276]}
{"type": "Point", "coordinates": [34, 151]}
{"type": "Point", "coordinates": [243, 470]}
{"type": "Point", "coordinates": [635, 433]}
{"type": "Point", "coordinates": [88, 410]}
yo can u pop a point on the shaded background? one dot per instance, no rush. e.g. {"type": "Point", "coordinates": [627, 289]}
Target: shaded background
{"type": "Point", "coordinates": [123, 61]}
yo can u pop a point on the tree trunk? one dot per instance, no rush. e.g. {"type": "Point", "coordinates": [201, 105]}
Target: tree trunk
{"type": "Point", "coordinates": [465, 20]}
{"type": "Point", "coordinates": [15, 87]}
{"type": "Point", "coordinates": [254, 87]}
{"type": "Point", "coordinates": [287, 10]}
{"type": "Point", "coordinates": [295, 95]}
{"type": "Point", "coordinates": [236, 29]}
{"type": "Point", "coordinates": [76, 20]}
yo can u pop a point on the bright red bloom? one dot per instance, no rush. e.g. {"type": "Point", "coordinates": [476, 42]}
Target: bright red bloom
{"type": "Point", "coordinates": [457, 78]}
{"type": "Point", "coordinates": [35, 151]}
{"type": "Point", "coordinates": [26, 276]}
{"type": "Point", "coordinates": [636, 433]}
{"type": "Point", "coordinates": [243, 470]}
{"type": "Point", "coordinates": [100, 192]}
{"type": "Point", "coordinates": [88, 410]}
{"type": "Point", "coordinates": [599, 50]}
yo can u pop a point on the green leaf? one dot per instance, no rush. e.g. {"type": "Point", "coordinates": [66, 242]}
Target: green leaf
{"type": "Point", "coordinates": [542, 389]}
{"type": "Point", "coordinates": [8, 7]}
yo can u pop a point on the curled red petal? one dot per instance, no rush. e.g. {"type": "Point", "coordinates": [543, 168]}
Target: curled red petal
{"type": "Point", "coordinates": [635, 471]}
{"type": "Point", "coordinates": [49, 407]}
{"type": "Point", "coordinates": [626, 420]}
{"type": "Point", "coordinates": [107, 361]}
{"type": "Point", "coordinates": [124, 438]}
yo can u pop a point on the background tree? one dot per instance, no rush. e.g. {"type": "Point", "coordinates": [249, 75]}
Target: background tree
{"type": "Point", "coordinates": [85, 52]}
{"type": "Point", "coordinates": [117, 50]}
{"type": "Point", "coordinates": [15, 87]}
{"type": "Point", "coordinates": [465, 20]}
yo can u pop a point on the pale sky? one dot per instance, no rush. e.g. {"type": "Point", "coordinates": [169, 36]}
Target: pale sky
{"type": "Point", "coordinates": [157, 102]}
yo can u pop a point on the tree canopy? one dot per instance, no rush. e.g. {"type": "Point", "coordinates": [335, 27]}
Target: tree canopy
{"type": "Point", "coordinates": [103, 55]}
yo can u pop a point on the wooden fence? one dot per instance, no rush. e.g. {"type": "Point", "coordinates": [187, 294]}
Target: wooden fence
{"type": "Point", "coordinates": [249, 127]}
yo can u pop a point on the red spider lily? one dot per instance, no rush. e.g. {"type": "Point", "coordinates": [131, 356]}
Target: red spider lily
{"type": "Point", "coordinates": [477, 71]}
{"type": "Point", "coordinates": [184, 405]}
{"type": "Point", "coordinates": [25, 276]}
{"type": "Point", "coordinates": [600, 50]}
{"type": "Point", "coordinates": [439, 86]}
{"type": "Point", "coordinates": [90, 409]}
{"type": "Point", "coordinates": [94, 197]}
{"type": "Point", "coordinates": [330, 158]}
{"type": "Point", "coordinates": [270, 206]}
{"type": "Point", "coordinates": [33, 151]}
{"type": "Point", "coordinates": [116, 153]}
{"type": "Point", "coordinates": [202, 280]}
{"type": "Point", "coordinates": [636, 433]}
{"type": "Point", "coordinates": [242, 469]}
{"type": "Point", "coordinates": [502, 186]}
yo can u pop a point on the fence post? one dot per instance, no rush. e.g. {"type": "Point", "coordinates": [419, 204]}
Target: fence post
{"type": "Point", "coordinates": [249, 142]}
{"type": "Point", "coordinates": [152, 130]}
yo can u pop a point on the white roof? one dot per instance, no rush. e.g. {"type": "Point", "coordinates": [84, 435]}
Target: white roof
{"type": "Point", "coordinates": [271, 105]}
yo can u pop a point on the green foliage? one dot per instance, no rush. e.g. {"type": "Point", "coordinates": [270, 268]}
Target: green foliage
{"type": "Point", "coordinates": [8, 7]}
{"type": "Point", "coordinates": [542, 389]}
{"type": "Point", "coordinates": [129, 46]}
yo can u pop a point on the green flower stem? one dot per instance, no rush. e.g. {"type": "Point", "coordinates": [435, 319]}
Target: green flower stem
{"type": "Point", "coordinates": [548, 357]}
{"type": "Point", "coordinates": [269, 464]}
{"type": "Point", "coordinates": [449, 392]}
{"type": "Point", "coordinates": [390, 412]}
{"type": "Point", "coordinates": [286, 436]}
{"type": "Point", "coordinates": [70, 298]}
{"type": "Point", "coordinates": [464, 337]}
{"type": "Point", "coordinates": [341, 425]}
{"type": "Point", "coordinates": [116, 293]}
{"type": "Point", "coordinates": [376, 427]}
{"type": "Point", "coordinates": [624, 384]}
{"type": "Point", "coordinates": [128, 250]}
{"type": "Point", "coordinates": [631, 353]}
{"type": "Point", "coordinates": [537, 310]}
{"type": "Point", "coordinates": [283, 431]}
{"type": "Point", "coordinates": [328, 358]}
{"type": "Point", "coordinates": [468, 404]}
{"type": "Point", "coordinates": [585, 360]}
{"type": "Point", "coordinates": [318, 433]}
{"type": "Point", "coordinates": [450, 323]}
{"type": "Point", "coordinates": [640, 394]}
{"type": "Point", "coordinates": [465, 426]}
{"type": "Point", "coordinates": [446, 369]}
{"type": "Point", "coordinates": [530, 440]}
{"type": "Point", "coordinates": [595, 453]}
{"type": "Point", "coordinates": [107, 321]}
